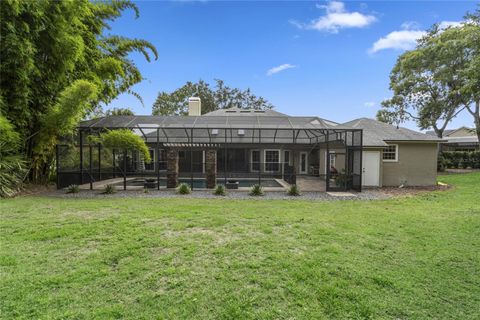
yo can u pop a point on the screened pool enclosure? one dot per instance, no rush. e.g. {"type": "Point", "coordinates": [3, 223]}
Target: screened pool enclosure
{"type": "Point", "coordinates": [208, 150]}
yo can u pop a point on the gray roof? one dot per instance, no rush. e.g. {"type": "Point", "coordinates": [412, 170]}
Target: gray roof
{"type": "Point", "coordinates": [464, 140]}
{"type": "Point", "coordinates": [376, 133]}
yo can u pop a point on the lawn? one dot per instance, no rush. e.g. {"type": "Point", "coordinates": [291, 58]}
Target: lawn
{"type": "Point", "coordinates": [405, 258]}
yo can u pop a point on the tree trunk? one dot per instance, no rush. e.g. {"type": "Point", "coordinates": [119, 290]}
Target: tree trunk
{"type": "Point", "coordinates": [476, 119]}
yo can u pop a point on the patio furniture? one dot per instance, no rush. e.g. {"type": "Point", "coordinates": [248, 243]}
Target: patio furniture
{"type": "Point", "coordinates": [232, 184]}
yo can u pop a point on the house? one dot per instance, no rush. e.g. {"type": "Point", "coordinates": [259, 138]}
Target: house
{"type": "Point", "coordinates": [461, 139]}
{"type": "Point", "coordinates": [394, 156]}
{"type": "Point", "coordinates": [245, 146]}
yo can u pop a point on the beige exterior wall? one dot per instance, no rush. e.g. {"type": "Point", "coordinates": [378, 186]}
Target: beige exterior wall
{"type": "Point", "coordinates": [462, 132]}
{"type": "Point", "coordinates": [416, 166]}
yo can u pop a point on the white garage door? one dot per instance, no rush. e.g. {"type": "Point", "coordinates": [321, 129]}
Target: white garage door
{"type": "Point", "coordinates": [371, 168]}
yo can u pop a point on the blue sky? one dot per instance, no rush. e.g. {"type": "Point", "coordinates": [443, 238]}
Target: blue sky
{"type": "Point", "coordinates": [329, 59]}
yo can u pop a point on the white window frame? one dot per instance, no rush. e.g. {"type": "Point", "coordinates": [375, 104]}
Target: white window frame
{"type": "Point", "coordinates": [396, 154]}
{"type": "Point", "coordinates": [330, 162]}
{"type": "Point", "coordinates": [265, 160]}
{"type": "Point", "coordinates": [251, 160]}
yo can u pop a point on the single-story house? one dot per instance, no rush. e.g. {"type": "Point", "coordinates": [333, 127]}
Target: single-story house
{"type": "Point", "coordinates": [241, 147]}
{"type": "Point", "coordinates": [461, 139]}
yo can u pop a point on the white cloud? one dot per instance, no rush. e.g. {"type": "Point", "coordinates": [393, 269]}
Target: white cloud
{"type": "Point", "coordinates": [399, 40]}
{"type": "Point", "coordinates": [406, 39]}
{"type": "Point", "coordinates": [446, 24]}
{"type": "Point", "coordinates": [336, 18]}
{"type": "Point", "coordinates": [369, 104]}
{"type": "Point", "coordinates": [280, 68]}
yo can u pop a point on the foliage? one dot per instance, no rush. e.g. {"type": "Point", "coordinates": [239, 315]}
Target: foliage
{"type": "Point", "coordinates": [437, 80]}
{"type": "Point", "coordinates": [73, 188]}
{"type": "Point", "coordinates": [122, 139]}
{"type": "Point", "coordinates": [59, 65]}
{"type": "Point", "coordinates": [220, 97]}
{"type": "Point", "coordinates": [256, 190]}
{"type": "Point", "coordinates": [119, 112]}
{"type": "Point", "coordinates": [12, 166]}
{"type": "Point", "coordinates": [219, 190]}
{"type": "Point", "coordinates": [184, 188]}
{"type": "Point", "coordinates": [342, 179]}
{"type": "Point", "coordinates": [293, 190]}
{"type": "Point", "coordinates": [351, 256]}
{"type": "Point", "coordinates": [109, 189]}
{"type": "Point", "coordinates": [460, 159]}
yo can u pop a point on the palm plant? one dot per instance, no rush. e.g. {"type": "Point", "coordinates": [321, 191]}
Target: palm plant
{"type": "Point", "coordinates": [219, 190]}
{"type": "Point", "coordinates": [256, 190]}
{"type": "Point", "coordinates": [184, 188]}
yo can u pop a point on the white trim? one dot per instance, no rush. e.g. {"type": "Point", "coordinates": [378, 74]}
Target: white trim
{"type": "Point", "coordinates": [251, 160]}
{"type": "Point", "coordinates": [396, 154]}
{"type": "Point", "coordinates": [265, 160]}
{"type": "Point", "coordinates": [326, 155]}
{"type": "Point", "coordinates": [300, 163]}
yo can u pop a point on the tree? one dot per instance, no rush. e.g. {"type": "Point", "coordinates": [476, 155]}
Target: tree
{"type": "Point", "coordinates": [220, 97]}
{"type": "Point", "coordinates": [418, 93]}
{"type": "Point", "coordinates": [58, 65]}
{"type": "Point", "coordinates": [439, 79]}
{"type": "Point", "coordinates": [119, 112]}
{"type": "Point", "coordinates": [463, 45]}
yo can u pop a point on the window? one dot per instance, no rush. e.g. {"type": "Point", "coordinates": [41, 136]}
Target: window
{"type": "Point", "coordinates": [390, 153]}
{"type": "Point", "coordinates": [286, 157]}
{"type": "Point", "coordinates": [272, 160]}
{"type": "Point", "coordinates": [332, 159]}
{"type": "Point", "coordinates": [149, 166]}
{"type": "Point", "coordinates": [255, 160]}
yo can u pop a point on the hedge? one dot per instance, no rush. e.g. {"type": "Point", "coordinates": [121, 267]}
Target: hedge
{"type": "Point", "coordinates": [459, 159]}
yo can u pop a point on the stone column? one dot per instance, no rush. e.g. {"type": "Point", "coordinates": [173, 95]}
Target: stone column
{"type": "Point", "coordinates": [172, 168]}
{"type": "Point", "coordinates": [211, 167]}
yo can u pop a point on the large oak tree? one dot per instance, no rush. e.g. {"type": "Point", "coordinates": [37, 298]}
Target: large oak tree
{"type": "Point", "coordinates": [439, 79]}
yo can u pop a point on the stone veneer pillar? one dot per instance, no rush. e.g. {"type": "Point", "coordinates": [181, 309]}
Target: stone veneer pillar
{"type": "Point", "coordinates": [211, 168]}
{"type": "Point", "coordinates": [172, 168]}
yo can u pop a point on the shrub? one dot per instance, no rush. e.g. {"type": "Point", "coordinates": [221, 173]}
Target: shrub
{"type": "Point", "coordinates": [184, 188]}
{"type": "Point", "coordinates": [219, 190]}
{"type": "Point", "coordinates": [109, 189]}
{"type": "Point", "coordinates": [441, 163]}
{"type": "Point", "coordinates": [12, 166]}
{"type": "Point", "coordinates": [73, 188]}
{"type": "Point", "coordinates": [293, 190]}
{"type": "Point", "coordinates": [461, 159]}
{"type": "Point", "coordinates": [256, 190]}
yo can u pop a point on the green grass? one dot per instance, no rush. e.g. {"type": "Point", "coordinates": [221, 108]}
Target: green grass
{"type": "Point", "coordinates": [408, 258]}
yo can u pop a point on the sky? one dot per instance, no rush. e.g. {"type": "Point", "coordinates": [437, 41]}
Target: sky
{"type": "Point", "coordinates": [329, 59]}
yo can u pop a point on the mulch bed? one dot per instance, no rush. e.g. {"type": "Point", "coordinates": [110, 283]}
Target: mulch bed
{"type": "Point", "coordinates": [411, 191]}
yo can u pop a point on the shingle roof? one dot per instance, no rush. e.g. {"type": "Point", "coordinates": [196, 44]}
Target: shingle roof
{"type": "Point", "coordinates": [376, 133]}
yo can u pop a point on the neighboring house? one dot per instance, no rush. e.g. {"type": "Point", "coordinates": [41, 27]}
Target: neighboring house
{"type": "Point", "coordinates": [255, 146]}
{"type": "Point", "coordinates": [461, 139]}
